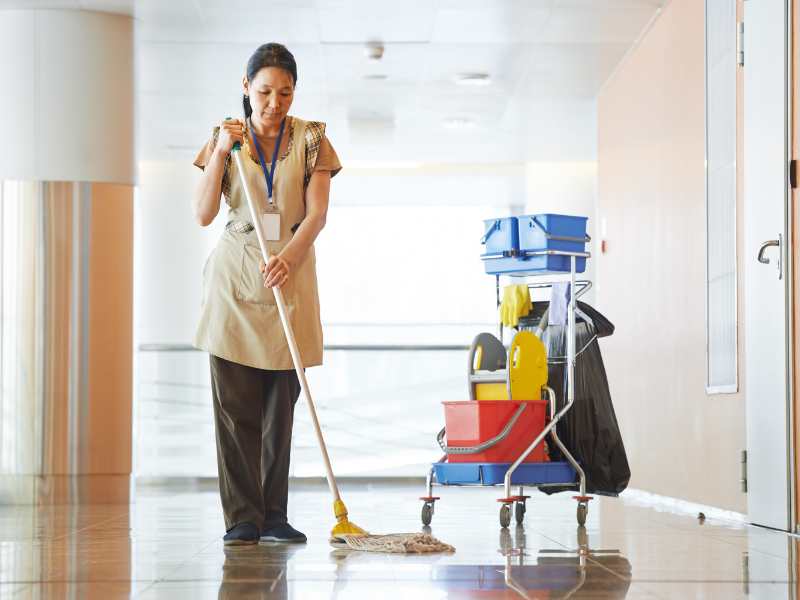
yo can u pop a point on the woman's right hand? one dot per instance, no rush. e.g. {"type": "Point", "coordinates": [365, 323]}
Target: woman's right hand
{"type": "Point", "coordinates": [230, 132]}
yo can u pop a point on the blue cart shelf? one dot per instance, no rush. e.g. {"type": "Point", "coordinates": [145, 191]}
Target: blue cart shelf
{"type": "Point", "coordinates": [532, 474]}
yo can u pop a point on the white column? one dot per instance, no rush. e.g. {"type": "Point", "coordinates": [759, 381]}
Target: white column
{"type": "Point", "coordinates": [66, 256]}
{"type": "Point", "coordinates": [66, 96]}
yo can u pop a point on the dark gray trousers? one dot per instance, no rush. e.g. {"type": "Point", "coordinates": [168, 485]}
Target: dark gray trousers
{"type": "Point", "coordinates": [253, 414]}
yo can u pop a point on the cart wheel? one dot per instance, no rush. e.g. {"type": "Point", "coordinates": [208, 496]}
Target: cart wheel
{"type": "Point", "coordinates": [505, 515]}
{"type": "Point", "coordinates": [427, 513]}
{"type": "Point", "coordinates": [583, 509]}
{"type": "Point", "coordinates": [519, 512]}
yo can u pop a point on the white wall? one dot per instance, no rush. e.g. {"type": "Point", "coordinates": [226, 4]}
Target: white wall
{"type": "Point", "coordinates": [681, 442]}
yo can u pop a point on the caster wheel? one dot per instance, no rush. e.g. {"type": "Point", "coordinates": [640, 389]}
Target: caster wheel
{"type": "Point", "coordinates": [583, 509]}
{"type": "Point", "coordinates": [505, 515]}
{"type": "Point", "coordinates": [427, 513]}
{"type": "Point", "coordinates": [519, 512]}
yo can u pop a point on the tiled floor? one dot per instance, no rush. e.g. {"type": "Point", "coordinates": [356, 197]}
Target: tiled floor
{"type": "Point", "coordinates": [167, 545]}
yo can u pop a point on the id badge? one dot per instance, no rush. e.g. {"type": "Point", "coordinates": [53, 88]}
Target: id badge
{"type": "Point", "coordinates": [271, 225]}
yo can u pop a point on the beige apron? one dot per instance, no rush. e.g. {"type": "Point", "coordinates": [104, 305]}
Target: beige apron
{"type": "Point", "coordinates": [239, 319]}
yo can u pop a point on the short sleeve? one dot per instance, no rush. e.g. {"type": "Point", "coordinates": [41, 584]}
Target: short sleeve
{"type": "Point", "coordinates": [327, 159]}
{"type": "Point", "coordinates": [204, 157]}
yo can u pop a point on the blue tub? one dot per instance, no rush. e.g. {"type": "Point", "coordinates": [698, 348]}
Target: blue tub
{"type": "Point", "coordinates": [500, 237]}
{"type": "Point", "coordinates": [553, 232]}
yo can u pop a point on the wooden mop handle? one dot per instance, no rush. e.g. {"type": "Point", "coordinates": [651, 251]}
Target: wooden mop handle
{"type": "Point", "coordinates": [287, 326]}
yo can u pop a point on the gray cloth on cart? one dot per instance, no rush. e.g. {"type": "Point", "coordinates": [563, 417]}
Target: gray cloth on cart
{"type": "Point", "coordinates": [589, 430]}
{"type": "Point", "coordinates": [559, 303]}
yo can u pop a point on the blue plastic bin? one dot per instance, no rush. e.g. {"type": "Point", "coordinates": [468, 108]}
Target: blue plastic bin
{"type": "Point", "coordinates": [552, 232]}
{"type": "Point", "coordinates": [531, 265]}
{"type": "Point", "coordinates": [500, 237]}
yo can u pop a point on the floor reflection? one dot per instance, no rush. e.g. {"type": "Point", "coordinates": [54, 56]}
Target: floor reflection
{"type": "Point", "coordinates": [168, 545]}
{"type": "Point", "coordinates": [563, 573]}
{"type": "Point", "coordinates": [266, 572]}
{"type": "Point", "coordinates": [256, 572]}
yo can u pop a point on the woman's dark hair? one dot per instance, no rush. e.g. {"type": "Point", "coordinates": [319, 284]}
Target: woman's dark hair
{"type": "Point", "coordinates": [269, 55]}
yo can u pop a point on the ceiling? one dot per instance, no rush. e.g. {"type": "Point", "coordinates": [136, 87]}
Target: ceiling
{"type": "Point", "coordinates": [546, 61]}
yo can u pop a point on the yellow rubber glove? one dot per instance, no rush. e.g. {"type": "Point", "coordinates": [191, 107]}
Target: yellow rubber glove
{"type": "Point", "coordinates": [505, 306]}
{"type": "Point", "coordinates": [522, 308]}
{"type": "Point", "coordinates": [516, 303]}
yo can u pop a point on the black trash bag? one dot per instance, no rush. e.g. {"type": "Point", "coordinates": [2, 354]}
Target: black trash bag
{"type": "Point", "coordinates": [589, 430]}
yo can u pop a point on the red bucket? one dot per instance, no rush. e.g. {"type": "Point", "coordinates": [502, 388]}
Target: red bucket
{"type": "Point", "coordinates": [469, 423]}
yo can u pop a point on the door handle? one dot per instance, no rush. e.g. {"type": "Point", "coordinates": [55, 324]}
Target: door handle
{"type": "Point", "coordinates": [769, 243]}
{"type": "Point", "coordinates": [764, 246]}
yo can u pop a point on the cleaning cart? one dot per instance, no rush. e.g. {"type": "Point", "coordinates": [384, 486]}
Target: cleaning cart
{"type": "Point", "coordinates": [526, 248]}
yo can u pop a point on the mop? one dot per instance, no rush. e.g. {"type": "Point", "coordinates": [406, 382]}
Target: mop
{"type": "Point", "coordinates": [345, 533]}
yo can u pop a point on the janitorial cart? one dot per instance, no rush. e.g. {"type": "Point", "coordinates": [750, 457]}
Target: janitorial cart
{"type": "Point", "coordinates": [507, 429]}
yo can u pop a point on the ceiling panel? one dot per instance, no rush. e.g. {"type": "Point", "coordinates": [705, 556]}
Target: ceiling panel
{"type": "Point", "coordinates": [66, 4]}
{"type": "Point", "coordinates": [569, 70]}
{"type": "Point", "coordinates": [504, 63]}
{"type": "Point", "coordinates": [503, 23]}
{"type": "Point", "coordinates": [601, 22]}
{"type": "Point", "coordinates": [169, 68]}
{"type": "Point", "coordinates": [358, 21]}
{"type": "Point", "coordinates": [346, 64]}
{"type": "Point", "coordinates": [288, 25]}
{"type": "Point", "coordinates": [243, 8]}
{"type": "Point", "coordinates": [610, 4]}
{"type": "Point", "coordinates": [546, 60]}
{"type": "Point", "coordinates": [158, 13]}
{"type": "Point", "coordinates": [203, 68]}
{"type": "Point", "coordinates": [124, 7]}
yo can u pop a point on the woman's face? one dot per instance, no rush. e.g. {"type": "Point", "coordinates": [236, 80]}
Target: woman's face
{"type": "Point", "coordinates": [271, 93]}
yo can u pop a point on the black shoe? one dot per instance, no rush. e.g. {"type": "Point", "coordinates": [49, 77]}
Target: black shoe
{"type": "Point", "coordinates": [283, 533]}
{"type": "Point", "coordinates": [241, 534]}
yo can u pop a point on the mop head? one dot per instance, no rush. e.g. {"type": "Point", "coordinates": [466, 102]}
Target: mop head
{"type": "Point", "coordinates": [349, 535]}
{"type": "Point", "coordinates": [398, 543]}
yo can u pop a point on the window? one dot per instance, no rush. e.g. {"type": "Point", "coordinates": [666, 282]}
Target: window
{"type": "Point", "coordinates": [721, 306]}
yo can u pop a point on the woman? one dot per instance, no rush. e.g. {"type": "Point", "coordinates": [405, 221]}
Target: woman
{"type": "Point", "coordinates": [288, 166]}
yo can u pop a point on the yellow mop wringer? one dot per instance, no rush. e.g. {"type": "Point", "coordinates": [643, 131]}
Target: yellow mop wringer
{"type": "Point", "coordinates": [344, 533]}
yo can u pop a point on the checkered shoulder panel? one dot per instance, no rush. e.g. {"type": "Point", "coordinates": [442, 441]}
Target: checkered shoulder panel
{"type": "Point", "coordinates": [315, 131]}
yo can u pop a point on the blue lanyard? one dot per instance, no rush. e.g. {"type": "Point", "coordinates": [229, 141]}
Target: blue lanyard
{"type": "Point", "coordinates": [268, 175]}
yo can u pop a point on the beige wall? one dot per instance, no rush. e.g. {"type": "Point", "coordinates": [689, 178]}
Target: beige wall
{"type": "Point", "coordinates": [111, 330]}
{"type": "Point", "coordinates": [681, 442]}
{"type": "Point", "coordinates": [67, 379]}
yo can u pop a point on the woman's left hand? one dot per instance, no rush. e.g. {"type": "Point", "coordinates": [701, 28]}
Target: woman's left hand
{"type": "Point", "coordinates": [275, 271]}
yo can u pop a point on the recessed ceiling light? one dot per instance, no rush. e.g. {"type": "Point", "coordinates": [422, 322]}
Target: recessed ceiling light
{"type": "Point", "coordinates": [476, 79]}
{"type": "Point", "coordinates": [458, 123]}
